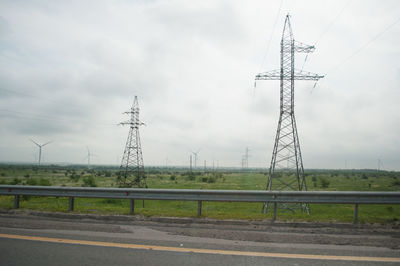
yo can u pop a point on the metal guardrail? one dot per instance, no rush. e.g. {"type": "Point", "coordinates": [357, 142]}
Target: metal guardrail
{"type": "Point", "coordinates": [328, 197]}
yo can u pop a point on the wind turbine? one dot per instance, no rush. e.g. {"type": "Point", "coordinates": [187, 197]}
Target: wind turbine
{"type": "Point", "coordinates": [40, 148]}
{"type": "Point", "coordinates": [88, 156]}
{"type": "Point", "coordinates": [195, 157]}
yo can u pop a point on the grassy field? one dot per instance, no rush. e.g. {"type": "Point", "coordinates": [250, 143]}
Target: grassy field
{"type": "Point", "coordinates": [77, 176]}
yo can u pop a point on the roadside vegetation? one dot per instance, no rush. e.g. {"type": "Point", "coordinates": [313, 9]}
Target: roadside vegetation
{"type": "Point", "coordinates": [180, 178]}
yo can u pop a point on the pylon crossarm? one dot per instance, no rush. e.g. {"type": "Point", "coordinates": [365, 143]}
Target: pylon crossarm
{"type": "Point", "coordinates": [303, 48]}
{"type": "Point", "coordinates": [305, 75]}
{"type": "Point", "coordinates": [269, 75]}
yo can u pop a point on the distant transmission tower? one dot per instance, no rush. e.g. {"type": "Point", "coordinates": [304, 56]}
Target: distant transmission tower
{"type": "Point", "coordinates": [132, 169]}
{"type": "Point", "coordinates": [245, 159]}
{"type": "Point", "coordinates": [286, 171]}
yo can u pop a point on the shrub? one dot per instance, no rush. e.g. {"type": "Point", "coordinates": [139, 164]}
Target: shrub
{"type": "Point", "coordinates": [31, 182]}
{"type": "Point", "coordinates": [15, 181]}
{"type": "Point", "coordinates": [74, 177]}
{"type": "Point", "coordinates": [89, 182]}
{"type": "Point", "coordinates": [44, 182]}
{"type": "Point", "coordinates": [211, 179]}
{"type": "Point", "coordinates": [190, 177]}
{"type": "Point", "coordinates": [324, 182]}
{"type": "Point", "coordinates": [172, 177]}
{"type": "Point", "coordinates": [204, 179]}
{"type": "Point", "coordinates": [218, 175]}
{"type": "Point", "coordinates": [396, 183]}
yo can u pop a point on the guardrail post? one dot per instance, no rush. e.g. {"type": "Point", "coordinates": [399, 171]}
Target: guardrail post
{"type": "Point", "coordinates": [199, 206]}
{"type": "Point", "coordinates": [275, 209]}
{"type": "Point", "coordinates": [71, 204]}
{"type": "Point", "coordinates": [355, 213]}
{"type": "Point", "coordinates": [132, 206]}
{"type": "Point", "coordinates": [16, 202]}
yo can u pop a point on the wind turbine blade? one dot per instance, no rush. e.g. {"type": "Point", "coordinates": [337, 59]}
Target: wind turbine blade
{"type": "Point", "coordinates": [47, 143]}
{"type": "Point", "coordinates": [34, 142]}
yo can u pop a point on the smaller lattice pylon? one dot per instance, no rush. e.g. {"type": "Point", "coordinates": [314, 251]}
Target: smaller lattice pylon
{"type": "Point", "coordinates": [132, 172]}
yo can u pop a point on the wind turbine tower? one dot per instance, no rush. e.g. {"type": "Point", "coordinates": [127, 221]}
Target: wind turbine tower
{"type": "Point", "coordinates": [89, 154]}
{"type": "Point", "coordinates": [286, 170]}
{"type": "Point", "coordinates": [40, 148]}
{"type": "Point", "coordinates": [195, 157]}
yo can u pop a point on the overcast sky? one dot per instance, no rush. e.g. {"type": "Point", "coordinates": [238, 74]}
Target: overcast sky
{"type": "Point", "coordinates": [69, 69]}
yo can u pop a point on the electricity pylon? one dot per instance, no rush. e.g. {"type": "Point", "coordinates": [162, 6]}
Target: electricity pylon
{"type": "Point", "coordinates": [286, 171]}
{"type": "Point", "coordinates": [131, 172]}
{"type": "Point", "coordinates": [40, 148]}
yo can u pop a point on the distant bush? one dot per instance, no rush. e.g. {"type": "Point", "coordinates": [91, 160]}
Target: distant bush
{"type": "Point", "coordinates": [89, 182]}
{"type": "Point", "coordinates": [44, 182]}
{"type": "Point", "coordinates": [211, 179]}
{"type": "Point", "coordinates": [190, 177]}
{"type": "Point", "coordinates": [31, 181]}
{"type": "Point", "coordinates": [15, 181]}
{"type": "Point", "coordinates": [314, 178]}
{"type": "Point", "coordinates": [396, 183]}
{"type": "Point", "coordinates": [26, 176]}
{"type": "Point", "coordinates": [218, 175]}
{"type": "Point", "coordinates": [324, 182]}
{"type": "Point", "coordinates": [172, 177]}
{"type": "Point", "coordinates": [204, 179]}
{"type": "Point", "coordinates": [38, 182]}
{"type": "Point", "coordinates": [74, 177]}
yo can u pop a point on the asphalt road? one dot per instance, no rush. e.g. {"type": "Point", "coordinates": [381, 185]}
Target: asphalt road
{"type": "Point", "coordinates": [27, 239]}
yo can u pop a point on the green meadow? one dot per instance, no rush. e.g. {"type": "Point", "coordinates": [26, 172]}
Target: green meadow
{"type": "Point", "coordinates": [178, 178]}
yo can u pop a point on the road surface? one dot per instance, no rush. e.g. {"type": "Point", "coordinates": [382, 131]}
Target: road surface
{"type": "Point", "coordinates": [70, 239]}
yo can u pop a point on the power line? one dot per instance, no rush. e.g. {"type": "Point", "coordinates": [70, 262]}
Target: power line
{"type": "Point", "coordinates": [365, 45]}
{"type": "Point", "coordinates": [332, 22]}
{"type": "Point", "coordinates": [38, 97]}
{"type": "Point", "coordinates": [40, 117]}
{"type": "Point", "coordinates": [327, 29]}
{"type": "Point", "coordinates": [270, 37]}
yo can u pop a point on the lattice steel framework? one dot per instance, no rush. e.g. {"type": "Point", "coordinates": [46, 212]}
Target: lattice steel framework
{"type": "Point", "coordinates": [132, 168]}
{"type": "Point", "coordinates": [286, 171]}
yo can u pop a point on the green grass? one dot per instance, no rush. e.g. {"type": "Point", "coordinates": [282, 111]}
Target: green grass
{"type": "Point", "coordinates": [338, 180]}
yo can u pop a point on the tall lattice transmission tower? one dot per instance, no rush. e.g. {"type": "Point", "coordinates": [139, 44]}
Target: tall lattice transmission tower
{"type": "Point", "coordinates": [286, 171]}
{"type": "Point", "coordinates": [132, 168]}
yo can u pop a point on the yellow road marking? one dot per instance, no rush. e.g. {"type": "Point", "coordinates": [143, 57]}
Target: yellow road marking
{"type": "Point", "coordinates": [202, 251]}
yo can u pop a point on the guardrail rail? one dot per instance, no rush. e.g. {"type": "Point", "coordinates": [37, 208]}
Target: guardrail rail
{"type": "Point", "coordinates": [199, 195]}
